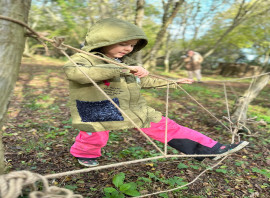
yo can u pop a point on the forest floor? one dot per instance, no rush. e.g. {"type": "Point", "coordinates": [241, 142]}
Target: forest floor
{"type": "Point", "coordinates": [38, 136]}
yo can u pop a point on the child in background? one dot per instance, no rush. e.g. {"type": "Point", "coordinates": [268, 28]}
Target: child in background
{"type": "Point", "coordinates": [94, 115]}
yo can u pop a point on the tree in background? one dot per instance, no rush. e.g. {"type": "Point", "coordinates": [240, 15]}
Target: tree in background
{"type": "Point", "coordinates": [139, 22]}
{"type": "Point", "coordinates": [170, 8]}
{"type": "Point", "coordinates": [190, 24]}
{"type": "Point", "coordinates": [208, 26]}
{"type": "Point", "coordinates": [240, 109]}
{"type": "Point", "coordinates": [239, 13]}
{"type": "Point", "coordinates": [257, 35]}
{"type": "Point", "coordinates": [11, 50]}
{"type": "Point", "coordinates": [71, 19]}
{"type": "Point", "coordinates": [244, 26]}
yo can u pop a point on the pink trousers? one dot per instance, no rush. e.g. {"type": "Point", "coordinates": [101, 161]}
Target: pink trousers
{"type": "Point", "coordinates": [88, 145]}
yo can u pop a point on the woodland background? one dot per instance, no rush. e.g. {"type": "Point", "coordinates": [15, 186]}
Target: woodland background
{"type": "Point", "coordinates": [223, 31]}
{"type": "Point", "coordinates": [37, 131]}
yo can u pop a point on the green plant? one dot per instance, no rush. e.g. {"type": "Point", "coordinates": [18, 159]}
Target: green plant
{"type": "Point", "coordinates": [264, 172]}
{"type": "Point", "coordinates": [239, 163]}
{"type": "Point", "coordinates": [33, 105]}
{"type": "Point", "coordinates": [121, 189]}
{"type": "Point", "coordinates": [172, 182]}
{"type": "Point", "coordinates": [71, 187]}
{"type": "Point", "coordinates": [135, 152]}
{"type": "Point", "coordinates": [222, 169]}
{"type": "Point", "coordinates": [164, 195]}
{"type": "Point", "coordinates": [182, 166]}
{"type": "Point", "coordinates": [194, 167]}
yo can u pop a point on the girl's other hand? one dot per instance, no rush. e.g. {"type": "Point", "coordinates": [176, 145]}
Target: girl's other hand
{"type": "Point", "coordinates": [140, 71]}
{"type": "Point", "coordinates": [185, 81]}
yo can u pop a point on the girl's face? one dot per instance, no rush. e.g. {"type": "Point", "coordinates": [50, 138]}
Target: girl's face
{"type": "Point", "coordinates": [119, 50]}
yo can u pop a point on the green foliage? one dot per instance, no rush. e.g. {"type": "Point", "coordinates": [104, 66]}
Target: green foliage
{"type": "Point", "coordinates": [261, 113]}
{"type": "Point", "coordinates": [172, 182]}
{"type": "Point", "coordinates": [194, 167]}
{"type": "Point", "coordinates": [118, 179]}
{"type": "Point", "coordinates": [239, 163]}
{"type": "Point", "coordinates": [264, 172]}
{"type": "Point", "coordinates": [182, 166]}
{"type": "Point", "coordinates": [73, 18]}
{"type": "Point", "coordinates": [222, 169]}
{"type": "Point", "coordinates": [121, 189]}
{"type": "Point", "coordinates": [164, 195]}
{"type": "Point", "coordinates": [71, 187]}
{"type": "Point", "coordinates": [136, 152]}
{"type": "Point", "coordinates": [145, 179]}
{"type": "Point", "coordinates": [242, 35]}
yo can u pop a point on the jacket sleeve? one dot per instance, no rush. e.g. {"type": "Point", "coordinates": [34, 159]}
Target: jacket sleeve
{"type": "Point", "coordinates": [150, 82]}
{"type": "Point", "coordinates": [95, 72]}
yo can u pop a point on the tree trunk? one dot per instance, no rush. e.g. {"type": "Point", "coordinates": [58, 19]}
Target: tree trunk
{"type": "Point", "coordinates": [150, 59]}
{"type": "Point", "coordinates": [167, 55]}
{"type": "Point", "coordinates": [138, 21]}
{"type": "Point", "coordinates": [167, 61]}
{"type": "Point", "coordinates": [241, 105]}
{"type": "Point", "coordinates": [11, 48]}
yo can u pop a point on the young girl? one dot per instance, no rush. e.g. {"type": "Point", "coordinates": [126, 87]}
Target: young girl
{"type": "Point", "coordinates": [95, 116]}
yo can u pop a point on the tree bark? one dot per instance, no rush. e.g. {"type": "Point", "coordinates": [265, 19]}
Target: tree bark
{"type": "Point", "coordinates": [168, 53]}
{"type": "Point", "coordinates": [241, 105]}
{"type": "Point", "coordinates": [139, 21]}
{"type": "Point", "coordinates": [12, 42]}
{"type": "Point", "coordinates": [167, 60]}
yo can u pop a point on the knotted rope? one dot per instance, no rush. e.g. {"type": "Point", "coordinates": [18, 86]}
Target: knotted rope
{"type": "Point", "coordinates": [11, 186]}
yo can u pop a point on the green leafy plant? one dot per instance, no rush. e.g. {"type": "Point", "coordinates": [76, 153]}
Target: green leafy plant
{"type": "Point", "coordinates": [182, 166]}
{"type": "Point", "coordinates": [264, 172]}
{"type": "Point", "coordinates": [135, 152]}
{"type": "Point", "coordinates": [194, 167]}
{"type": "Point", "coordinates": [172, 182]}
{"type": "Point", "coordinates": [222, 169]}
{"type": "Point", "coordinates": [164, 195]}
{"type": "Point", "coordinates": [121, 189]}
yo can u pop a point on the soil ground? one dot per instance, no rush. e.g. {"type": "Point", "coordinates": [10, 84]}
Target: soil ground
{"type": "Point", "coordinates": [38, 135]}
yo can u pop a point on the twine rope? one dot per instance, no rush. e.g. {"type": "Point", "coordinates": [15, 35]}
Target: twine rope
{"type": "Point", "coordinates": [233, 132]}
{"type": "Point", "coordinates": [166, 122]}
{"type": "Point", "coordinates": [11, 186]}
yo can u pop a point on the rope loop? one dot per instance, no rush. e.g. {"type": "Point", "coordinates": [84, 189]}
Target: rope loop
{"type": "Point", "coordinates": [54, 192]}
{"type": "Point", "coordinates": [11, 186]}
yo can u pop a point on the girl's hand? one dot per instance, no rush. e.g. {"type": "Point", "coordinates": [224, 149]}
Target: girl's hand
{"type": "Point", "coordinates": [185, 81]}
{"type": "Point", "coordinates": [140, 71]}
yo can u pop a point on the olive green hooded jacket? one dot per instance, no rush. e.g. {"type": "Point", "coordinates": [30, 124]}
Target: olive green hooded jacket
{"type": "Point", "coordinates": [91, 111]}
